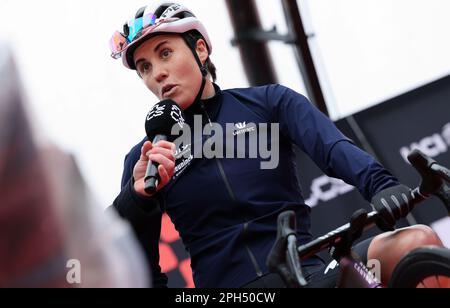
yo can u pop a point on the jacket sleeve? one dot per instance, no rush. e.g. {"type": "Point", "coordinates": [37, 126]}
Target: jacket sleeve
{"type": "Point", "coordinates": [320, 139]}
{"type": "Point", "coordinates": [144, 215]}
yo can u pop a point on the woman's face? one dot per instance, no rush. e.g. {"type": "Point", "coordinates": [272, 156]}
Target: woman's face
{"type": "Point", "coordinates": [168, 68]}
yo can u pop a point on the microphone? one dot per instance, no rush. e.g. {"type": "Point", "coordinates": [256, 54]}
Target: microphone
{"type": "Point", "coordinates": [158, 126]}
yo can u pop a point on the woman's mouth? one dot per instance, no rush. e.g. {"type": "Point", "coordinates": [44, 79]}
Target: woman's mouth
{"type": "Point", "coordinates": [169, 90]}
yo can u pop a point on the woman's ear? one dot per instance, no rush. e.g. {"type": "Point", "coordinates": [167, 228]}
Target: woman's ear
{"type": "Point", "coordinates": [202, 51]}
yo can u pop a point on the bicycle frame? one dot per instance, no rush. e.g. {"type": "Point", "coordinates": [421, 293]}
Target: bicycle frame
{"type": "Point", "coordinates": [354, 274]}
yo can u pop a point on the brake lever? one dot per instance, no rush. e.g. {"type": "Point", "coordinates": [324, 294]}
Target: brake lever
{"type": "Point", "coordinates": [283, 258]}
{"type": "Point", "coordinates": [434, 177]}
{"type": "Point", "coordinates": [443, 172]}
{"type": "Point", "coordinates": [293, 261]}
{"type": "Point", "coordinates": [431, 182]}
{"type": "Point", "coordinates": [444, 195]}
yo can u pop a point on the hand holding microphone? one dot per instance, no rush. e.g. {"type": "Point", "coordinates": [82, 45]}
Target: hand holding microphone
{"type": "Point", "coordinates": [161, 154]}
{"type": "Point", "coordinates": [156, 165]}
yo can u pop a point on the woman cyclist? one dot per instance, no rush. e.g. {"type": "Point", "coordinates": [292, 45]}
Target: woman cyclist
{"type": "Point", "coordinates": [226, 209]}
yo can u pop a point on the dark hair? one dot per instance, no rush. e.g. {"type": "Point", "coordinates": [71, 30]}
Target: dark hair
{"type": "Point", "coordinates": [194, 35]}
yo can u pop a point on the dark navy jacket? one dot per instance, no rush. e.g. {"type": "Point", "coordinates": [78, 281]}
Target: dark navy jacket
{"type": "Point", "coordinates": [226, 209]}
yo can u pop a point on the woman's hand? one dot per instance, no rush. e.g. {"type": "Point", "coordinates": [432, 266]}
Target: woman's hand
{"type": "Point", "coordinates": [163, 153]}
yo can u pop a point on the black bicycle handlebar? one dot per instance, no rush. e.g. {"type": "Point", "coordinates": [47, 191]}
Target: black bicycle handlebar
{"type": "Point", "coordinates": [431, 182]}
{"type": "Point", "coordinates": [434, 177]}
{"type": "Point", "coordinates": [283, 258]}
{"type": "Point", "coordinates": [422, 162]}
{"type": "Point", "coordinates": [442, 171]}
{"type": "Point", "coordinates": [346, 231]}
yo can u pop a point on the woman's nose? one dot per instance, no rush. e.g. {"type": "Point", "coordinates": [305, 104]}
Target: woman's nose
{"type": "Point", "coordinates": [160, 73]}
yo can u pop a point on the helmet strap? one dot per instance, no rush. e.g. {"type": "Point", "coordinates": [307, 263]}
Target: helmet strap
{"type": "Point", "coordinates": [204, 71]}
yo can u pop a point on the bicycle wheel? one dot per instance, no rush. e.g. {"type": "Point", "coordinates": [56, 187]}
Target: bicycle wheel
{"type": "Point", "coordinates": [422, 266]}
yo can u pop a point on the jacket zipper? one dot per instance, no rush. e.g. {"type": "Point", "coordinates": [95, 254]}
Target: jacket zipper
{"type": "Point", "coordinates": [233, 198]}
{"type": "Point", "coordinates": [251, 255]}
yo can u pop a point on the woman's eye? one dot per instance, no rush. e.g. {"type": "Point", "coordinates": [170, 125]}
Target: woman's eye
{"type": "Point", "coordinates": [165, 53]}
{"type": "Point", "coordinates": [145, 67]}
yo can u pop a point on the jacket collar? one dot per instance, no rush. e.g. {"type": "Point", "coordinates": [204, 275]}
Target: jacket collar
{"type": "Point", "coordinates": [212, 105]}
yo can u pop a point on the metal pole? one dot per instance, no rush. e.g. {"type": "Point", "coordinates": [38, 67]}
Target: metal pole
{"type": "Point", "coordinates": [255, 54]}
{"type": "Point", "coordinates": [303, 54]}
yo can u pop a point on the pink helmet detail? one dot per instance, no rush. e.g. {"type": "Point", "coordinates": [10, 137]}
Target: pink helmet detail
{"type": "Point", "coordinates": [176, 18]}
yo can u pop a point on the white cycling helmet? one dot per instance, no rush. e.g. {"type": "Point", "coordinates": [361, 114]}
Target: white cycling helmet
{"type": "Point", "coordinates": [149, 21]}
